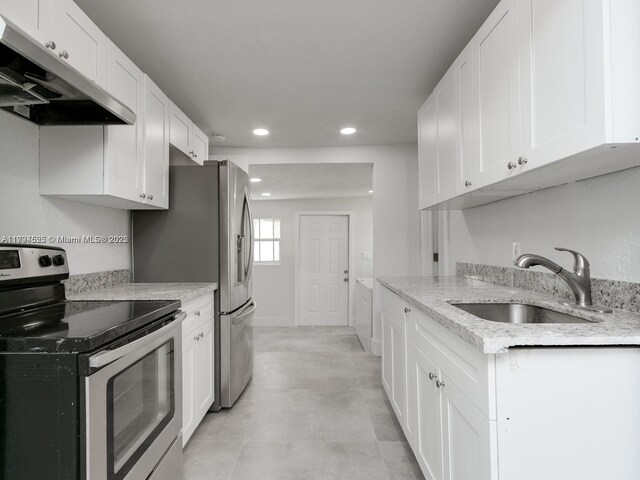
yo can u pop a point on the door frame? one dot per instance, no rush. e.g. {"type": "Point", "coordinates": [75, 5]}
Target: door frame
{"type": "Point", "coordinates": [350, 217]}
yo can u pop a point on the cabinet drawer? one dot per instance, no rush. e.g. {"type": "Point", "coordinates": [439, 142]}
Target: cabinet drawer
{"type": "Point", "coordinates": [199, 311]}
{"type": "Point", "coordinates": [470, 369]}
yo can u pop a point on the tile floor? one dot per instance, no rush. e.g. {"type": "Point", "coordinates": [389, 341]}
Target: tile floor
{"type": "Point", "coordinates": [315, 410]}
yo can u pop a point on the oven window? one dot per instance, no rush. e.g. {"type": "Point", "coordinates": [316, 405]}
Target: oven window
{"type": "Point", "coordinates": [140, 403]}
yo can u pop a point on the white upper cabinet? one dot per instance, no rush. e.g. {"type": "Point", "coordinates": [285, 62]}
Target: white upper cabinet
{"type": "Point", "coordinates": [119, 166]}
{"type": "Point", "coordinates": [181, 129]}
{"type": "Point", "coordinates": [124, 165]}
{"type": "Point", "coordinates": [498, 93]}
{"type": "Point", "coordinates": [199, 145]}
{"type": "Point", "coordinates": [80, 42]}
{"type": "Point", "coordinates": [35, 17]}
{"type": "Point", "coordinates": [552, 80]}
{"type": "Point", "coordinates": [563, 75]}
{"type": "Point", "coordinates": [156, 146]}
{"type": "Point", "coordinates": [187, 137]}
{"type": "Point", "coordinates": [447, 100]}
{"type": "Point", "coordinates": [427, 153]}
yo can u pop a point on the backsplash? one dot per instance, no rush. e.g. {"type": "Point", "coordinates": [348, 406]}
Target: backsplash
{"type": "Point", "coordinates": [92, 281]}
{"type": "Point", "coordinates": [609, 293]}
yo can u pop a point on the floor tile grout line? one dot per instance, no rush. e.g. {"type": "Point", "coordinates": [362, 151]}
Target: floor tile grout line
{"type": "Point", "coordinates": [235, 462]}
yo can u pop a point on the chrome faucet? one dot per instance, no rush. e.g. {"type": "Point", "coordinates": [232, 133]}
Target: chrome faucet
{"type": "Point", "coordinates": [579, 280]}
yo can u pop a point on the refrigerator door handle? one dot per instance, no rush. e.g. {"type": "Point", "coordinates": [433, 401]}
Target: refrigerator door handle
{"type": "Point", "coordinates": [249, 266]}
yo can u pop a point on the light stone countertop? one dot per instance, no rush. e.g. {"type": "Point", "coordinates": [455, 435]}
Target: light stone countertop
{"type": "Point", "coordinates": [433, 295]}
{"type": "Point", "coordinates": [185, 292]}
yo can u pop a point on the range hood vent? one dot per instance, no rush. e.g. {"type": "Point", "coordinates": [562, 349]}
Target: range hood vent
{"type": "Point", "coordinates": [37, 85]}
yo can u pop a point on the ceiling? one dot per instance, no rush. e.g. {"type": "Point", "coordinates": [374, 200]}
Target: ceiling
{"type": "Point", "coordinates": [299, 68]}
{"type": "Point", "coordinates": [311, 180]}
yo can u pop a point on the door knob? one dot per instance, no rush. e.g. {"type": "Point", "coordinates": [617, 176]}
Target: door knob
{"type": "Point", "coordinates": [64, 54]}
{"type": "Point", "coordinates": [346, 271]}
{"type": "Point", "coordinates": [522, 161]}
{"type": "Point", "coordinates": [346, 279]}
{"type": "Point", "coordinates": [50, 44]}
{"type": "Point", "coordinates": [511, 165]}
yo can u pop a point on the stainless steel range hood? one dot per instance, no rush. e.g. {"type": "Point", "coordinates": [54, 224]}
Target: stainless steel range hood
{"type": "Point", "coordinates": [37, 85]}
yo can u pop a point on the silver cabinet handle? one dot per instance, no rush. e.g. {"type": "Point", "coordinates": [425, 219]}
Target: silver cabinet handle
{"type": "Point", "coordinates": [511, 165]}
{"type": "Point", "coordinates": [432, 376]}
{"type": "Point", "coordinates": [195, 155]}
{"type": "Point", "coordinates": [197, 313]}
{"type": "Point", "coordinates": [198, 337]}
{"type": "Point", "coordinates": [407, 309]}
{"type": "Point", "coordinates": [64, 54]}
{"type": "Point", "coordinates": [467, 183]}
{"type": "Point", "coordinates": [142, 195]}
{"type": "Point", "coordinates": [50, 44]}
{"type": "Point", "coordinates": [150, 197]}
{"type": "Point", "coordinates": [192, 153]}
{"type": "Point", "coordinates": [439, 384]}
{"type": "Point", "coordinates": [522, 161]}
{"type": "Point", "coordinates": [346, 279]}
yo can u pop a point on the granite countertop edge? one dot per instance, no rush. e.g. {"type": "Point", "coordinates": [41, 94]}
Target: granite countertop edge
{"type": "Point", "coordinates": [185, 292]}
{"type": "Point", "coordinates": [433, 297]}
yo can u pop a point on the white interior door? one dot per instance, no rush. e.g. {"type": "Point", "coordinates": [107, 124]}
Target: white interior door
{"type": "Point", "coordinates": [324, 270]}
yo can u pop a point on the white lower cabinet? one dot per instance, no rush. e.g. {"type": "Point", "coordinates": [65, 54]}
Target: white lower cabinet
{"type": "Point", "coordinates": [525, 414]}
{"type": "Point", "coordinates": [197, 364]}
{"type": "Point", "coordinates": [394, 360]}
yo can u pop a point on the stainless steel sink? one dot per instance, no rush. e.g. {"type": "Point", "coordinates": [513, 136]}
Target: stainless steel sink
{"type": "Point", "coordinates": [517, 313]}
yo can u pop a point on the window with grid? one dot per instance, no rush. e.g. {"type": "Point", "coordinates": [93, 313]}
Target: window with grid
{"type": "Point", "coordinates": [266, 248]}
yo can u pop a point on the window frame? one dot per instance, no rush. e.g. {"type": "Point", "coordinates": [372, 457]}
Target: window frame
{"type": "Point", "coordinates": [258, 239]}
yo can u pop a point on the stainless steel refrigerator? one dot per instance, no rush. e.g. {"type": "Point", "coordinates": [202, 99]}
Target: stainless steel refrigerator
{"type": "Point", "coordinates": [207, 236]}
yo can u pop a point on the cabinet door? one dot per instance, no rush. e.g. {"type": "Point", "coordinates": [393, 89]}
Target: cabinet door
{"type": "Point", "coordinates": [199, 145]}
{"type": "Point", "coordinates": [180, 129]}
{"type": "Point", "coordinates": [124, 166]}
{"type": "Point", "coordinates": [387, 363]}
{"type": "Point", "coordinates": [424, 412]}
{"type": "Point", "coordinates": [80, 41]}
{"type": "Point", "coordinates": [203, 380]}
{"type": "Point", "coordinates": [447, 100]}
{"type": "Point", "coordinates": [188, 372]}
{"type": "Point", "coordinates": [468, 437]}
{"type": "Point", "coordinates": [156, 145]}
{"type": "Point", "coordinates": [35, 17]}
{"type": "Point", "coordinates": [398, 369]}
{"type": "Point", "coordinates": [427, 153]}
{"type": "Point", "coordinates": [497, 65]}
{"type": "Point", "coordinates": [562, 78]}
{"type": "Point", "coordinates": [467, 123]}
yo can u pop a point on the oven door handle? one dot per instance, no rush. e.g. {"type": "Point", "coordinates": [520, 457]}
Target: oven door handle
{"type": "Point", "coordinates": [109, 356]}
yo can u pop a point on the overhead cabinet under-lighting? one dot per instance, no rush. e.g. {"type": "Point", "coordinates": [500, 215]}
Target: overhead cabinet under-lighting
{"type": "Point", "coordinates": [545, 93]}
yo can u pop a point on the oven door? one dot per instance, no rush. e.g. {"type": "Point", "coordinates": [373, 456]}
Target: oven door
{"type": "Point", "coordinates": [133, 404]}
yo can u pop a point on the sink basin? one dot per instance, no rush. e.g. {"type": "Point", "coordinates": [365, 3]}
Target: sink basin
{"type": "Point", "coordinates": [517, 313]}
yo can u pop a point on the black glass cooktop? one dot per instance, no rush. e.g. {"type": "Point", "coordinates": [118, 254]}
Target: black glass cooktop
{"type": "Point", "coordinates": [78, 326]}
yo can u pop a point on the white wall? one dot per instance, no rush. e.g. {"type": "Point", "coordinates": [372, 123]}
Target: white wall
{"type": "Point", "coordinates": [24, 212]}
{"type": "Point", "coordinates": [274, 285]}
{"type": "Point", "coordinates": [396, 219]}
{"type": "Point", "coordinates": [599, 217]}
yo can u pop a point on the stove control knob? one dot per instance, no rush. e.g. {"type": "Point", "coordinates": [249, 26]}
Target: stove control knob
{"type": "Point", "coordinates": [45, 261]}
{"type": "Point", "coordinates": [58, 260]}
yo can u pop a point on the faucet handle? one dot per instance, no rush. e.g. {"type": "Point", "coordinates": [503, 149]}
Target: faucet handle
{"type": "Point", "coordinates": [580, 262]}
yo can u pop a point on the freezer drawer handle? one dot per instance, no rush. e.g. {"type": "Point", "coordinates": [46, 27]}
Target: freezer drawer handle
{"type": "Point", "coordinates": [240, 318]}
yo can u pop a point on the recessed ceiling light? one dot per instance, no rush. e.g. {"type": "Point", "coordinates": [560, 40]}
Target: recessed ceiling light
{"type": "Point", "coordinates": [266, 194]}
{"type": "Point", "coordinates": [255, 180]}
{"type": "Point", "coordinates": [348, 131]}
{"type": "Point", "coordinates": [370, 191]}
{"type": "Point", "coordinates": [261, 132]}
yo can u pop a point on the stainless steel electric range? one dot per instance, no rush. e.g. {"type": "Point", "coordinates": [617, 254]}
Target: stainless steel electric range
{"type": "Point", "coordinates": [89, 390]}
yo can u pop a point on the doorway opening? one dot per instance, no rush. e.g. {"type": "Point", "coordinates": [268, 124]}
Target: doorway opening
{"type": "Point", "coordinates": [315, 242]}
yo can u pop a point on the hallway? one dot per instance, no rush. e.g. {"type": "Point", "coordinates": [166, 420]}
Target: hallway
{"type": "Point", "coordinates": [315, 410]}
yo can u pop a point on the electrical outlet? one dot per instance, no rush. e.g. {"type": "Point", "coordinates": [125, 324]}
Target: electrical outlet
{"type": "Point", "coordinates": [515, 251]}
{"type": "Point", "coordinates": [366, 255]}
